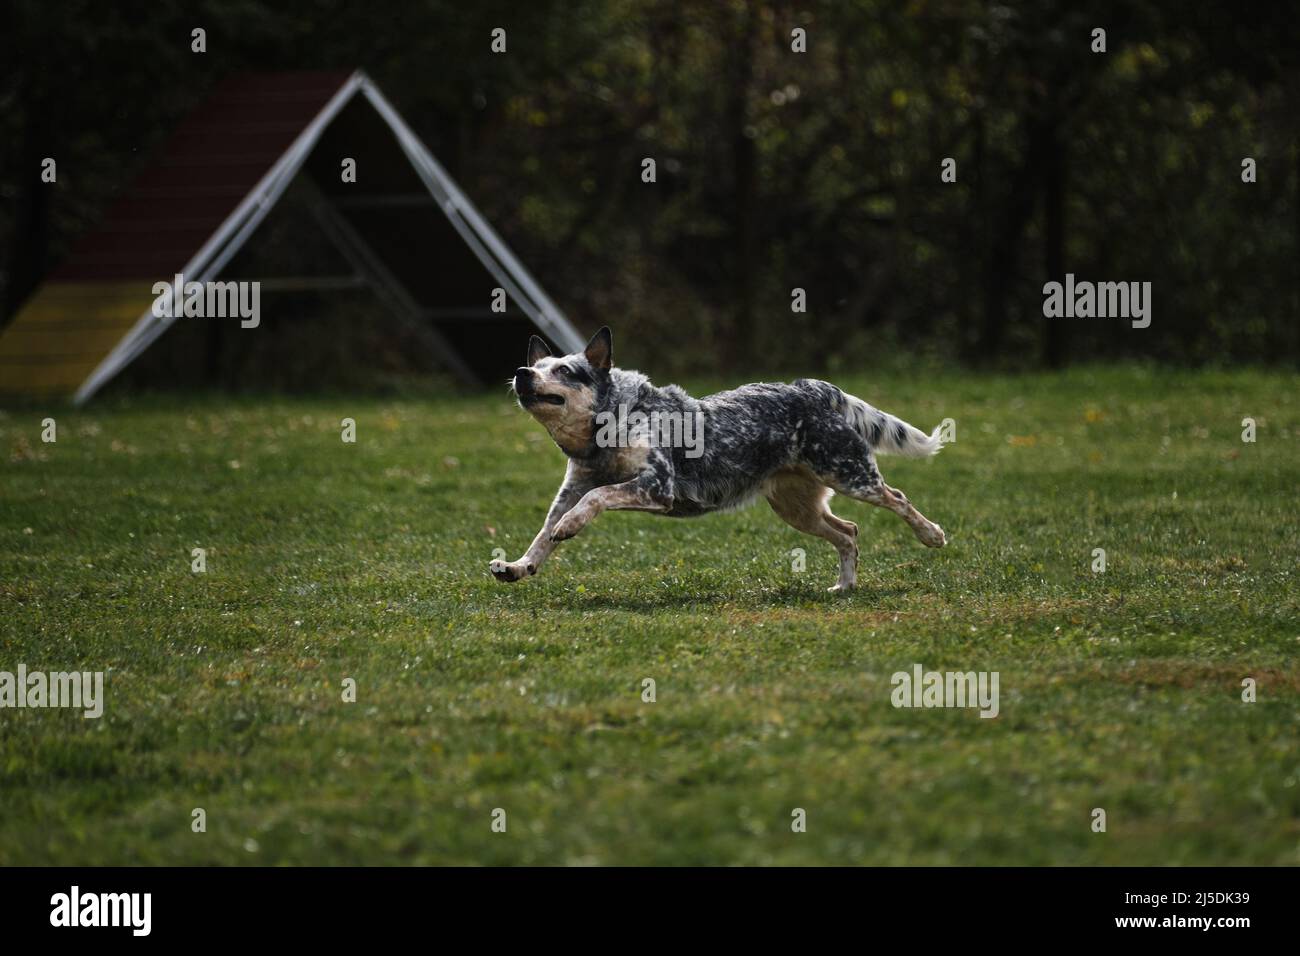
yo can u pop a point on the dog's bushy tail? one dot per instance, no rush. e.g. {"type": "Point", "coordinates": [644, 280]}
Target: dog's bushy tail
{"type": "Point", "coordinates": [886, 433]}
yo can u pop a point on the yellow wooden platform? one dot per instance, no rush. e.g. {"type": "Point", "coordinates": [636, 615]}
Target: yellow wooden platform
{"type": "Point", "coordinates": [64, 331]}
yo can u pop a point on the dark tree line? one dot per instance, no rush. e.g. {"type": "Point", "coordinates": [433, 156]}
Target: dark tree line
{"type": "Point", "coordinates": [774, 169]}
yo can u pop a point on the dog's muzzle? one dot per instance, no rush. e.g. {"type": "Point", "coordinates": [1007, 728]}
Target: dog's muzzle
{"type": "Point", "coordinates": [526, 389]}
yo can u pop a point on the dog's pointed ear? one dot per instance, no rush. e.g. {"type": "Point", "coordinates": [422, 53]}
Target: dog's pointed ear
{"type": "Point", "coordinates": [600, 350]}
{"type": "Point", "coordinates": [537, 350]}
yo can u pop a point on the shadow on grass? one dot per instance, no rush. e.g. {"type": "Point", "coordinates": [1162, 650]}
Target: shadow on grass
{"type": "Point", "coordinates": [794, 595]}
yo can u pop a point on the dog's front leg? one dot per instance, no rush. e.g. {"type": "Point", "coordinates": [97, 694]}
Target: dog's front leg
{"type": "Point", "coordinates": [651, 490]}
{"type": "Point", "coordinates": [570, 493]}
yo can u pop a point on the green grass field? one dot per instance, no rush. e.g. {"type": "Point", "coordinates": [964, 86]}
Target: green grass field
{"type": "Point", "coordinates": [1120, 690]}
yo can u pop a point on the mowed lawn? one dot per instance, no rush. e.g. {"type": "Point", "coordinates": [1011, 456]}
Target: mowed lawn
{"type": "Point", "coordinates": [1119, 690]}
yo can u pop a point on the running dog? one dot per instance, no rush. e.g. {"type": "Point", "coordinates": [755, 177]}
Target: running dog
{"type": "Point", "coordinates": [628, 445]}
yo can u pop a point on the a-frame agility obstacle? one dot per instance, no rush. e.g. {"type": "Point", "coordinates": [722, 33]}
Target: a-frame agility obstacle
{"type": "Point", "coordinates": [403, 225]}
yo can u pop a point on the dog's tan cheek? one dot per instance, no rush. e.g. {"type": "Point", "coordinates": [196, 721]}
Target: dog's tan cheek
{"type": "Point", "coordinates": [571, 424]}
{"type": "Point", "coordinates": [573, 434]}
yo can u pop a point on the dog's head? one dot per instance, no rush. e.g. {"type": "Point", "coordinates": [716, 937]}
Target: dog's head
{"type": "Point", "coordinates": [561, 391]}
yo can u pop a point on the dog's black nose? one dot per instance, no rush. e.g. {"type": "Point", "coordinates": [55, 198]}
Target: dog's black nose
{"type": "Point", "coordinates": [523, 380]}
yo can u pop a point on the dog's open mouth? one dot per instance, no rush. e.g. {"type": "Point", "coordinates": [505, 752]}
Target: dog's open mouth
{"type": "Point", "coordinates": [534, 397]}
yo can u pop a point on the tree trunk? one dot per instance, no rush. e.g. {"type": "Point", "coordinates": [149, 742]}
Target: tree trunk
{"type": "Point", "coordinates": [30, 232]}
{"type": "Point", "coordinates": [744, 158]}
{"type": "Point", "coordinates": [1055, 330]}
{"type": "Point", "coordinates": [1000, 265]}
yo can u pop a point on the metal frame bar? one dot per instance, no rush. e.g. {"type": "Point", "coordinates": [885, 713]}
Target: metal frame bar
{"type": "Point", "coordinates": [384, 201]}
{"type": "Point", "coordinates": [312, 283]}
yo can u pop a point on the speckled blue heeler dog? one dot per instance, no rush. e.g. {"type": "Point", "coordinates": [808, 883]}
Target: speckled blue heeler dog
{"type": "Point", "coordinates": [791, 444]}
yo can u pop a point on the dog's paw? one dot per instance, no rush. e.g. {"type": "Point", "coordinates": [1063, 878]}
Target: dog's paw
{"type": "Point", "coordinates": [932, 537]}
{"type": "Point", "coordinates": [511, 571]}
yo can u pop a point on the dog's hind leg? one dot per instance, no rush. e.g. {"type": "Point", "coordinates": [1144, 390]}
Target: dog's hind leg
{"type": "Point", "coordinates": [801, 502]}
{"type": "Point", "coordinates": [847, 465]}
{"type": "Point", "coordinates": [926, 531]}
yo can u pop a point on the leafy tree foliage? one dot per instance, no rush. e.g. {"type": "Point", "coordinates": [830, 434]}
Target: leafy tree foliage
{"type": "Point", "coordinates": [775, 169]}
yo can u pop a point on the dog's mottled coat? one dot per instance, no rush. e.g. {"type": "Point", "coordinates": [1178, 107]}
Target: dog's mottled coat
{"type": "Point", "coordinates": [792, 444]}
